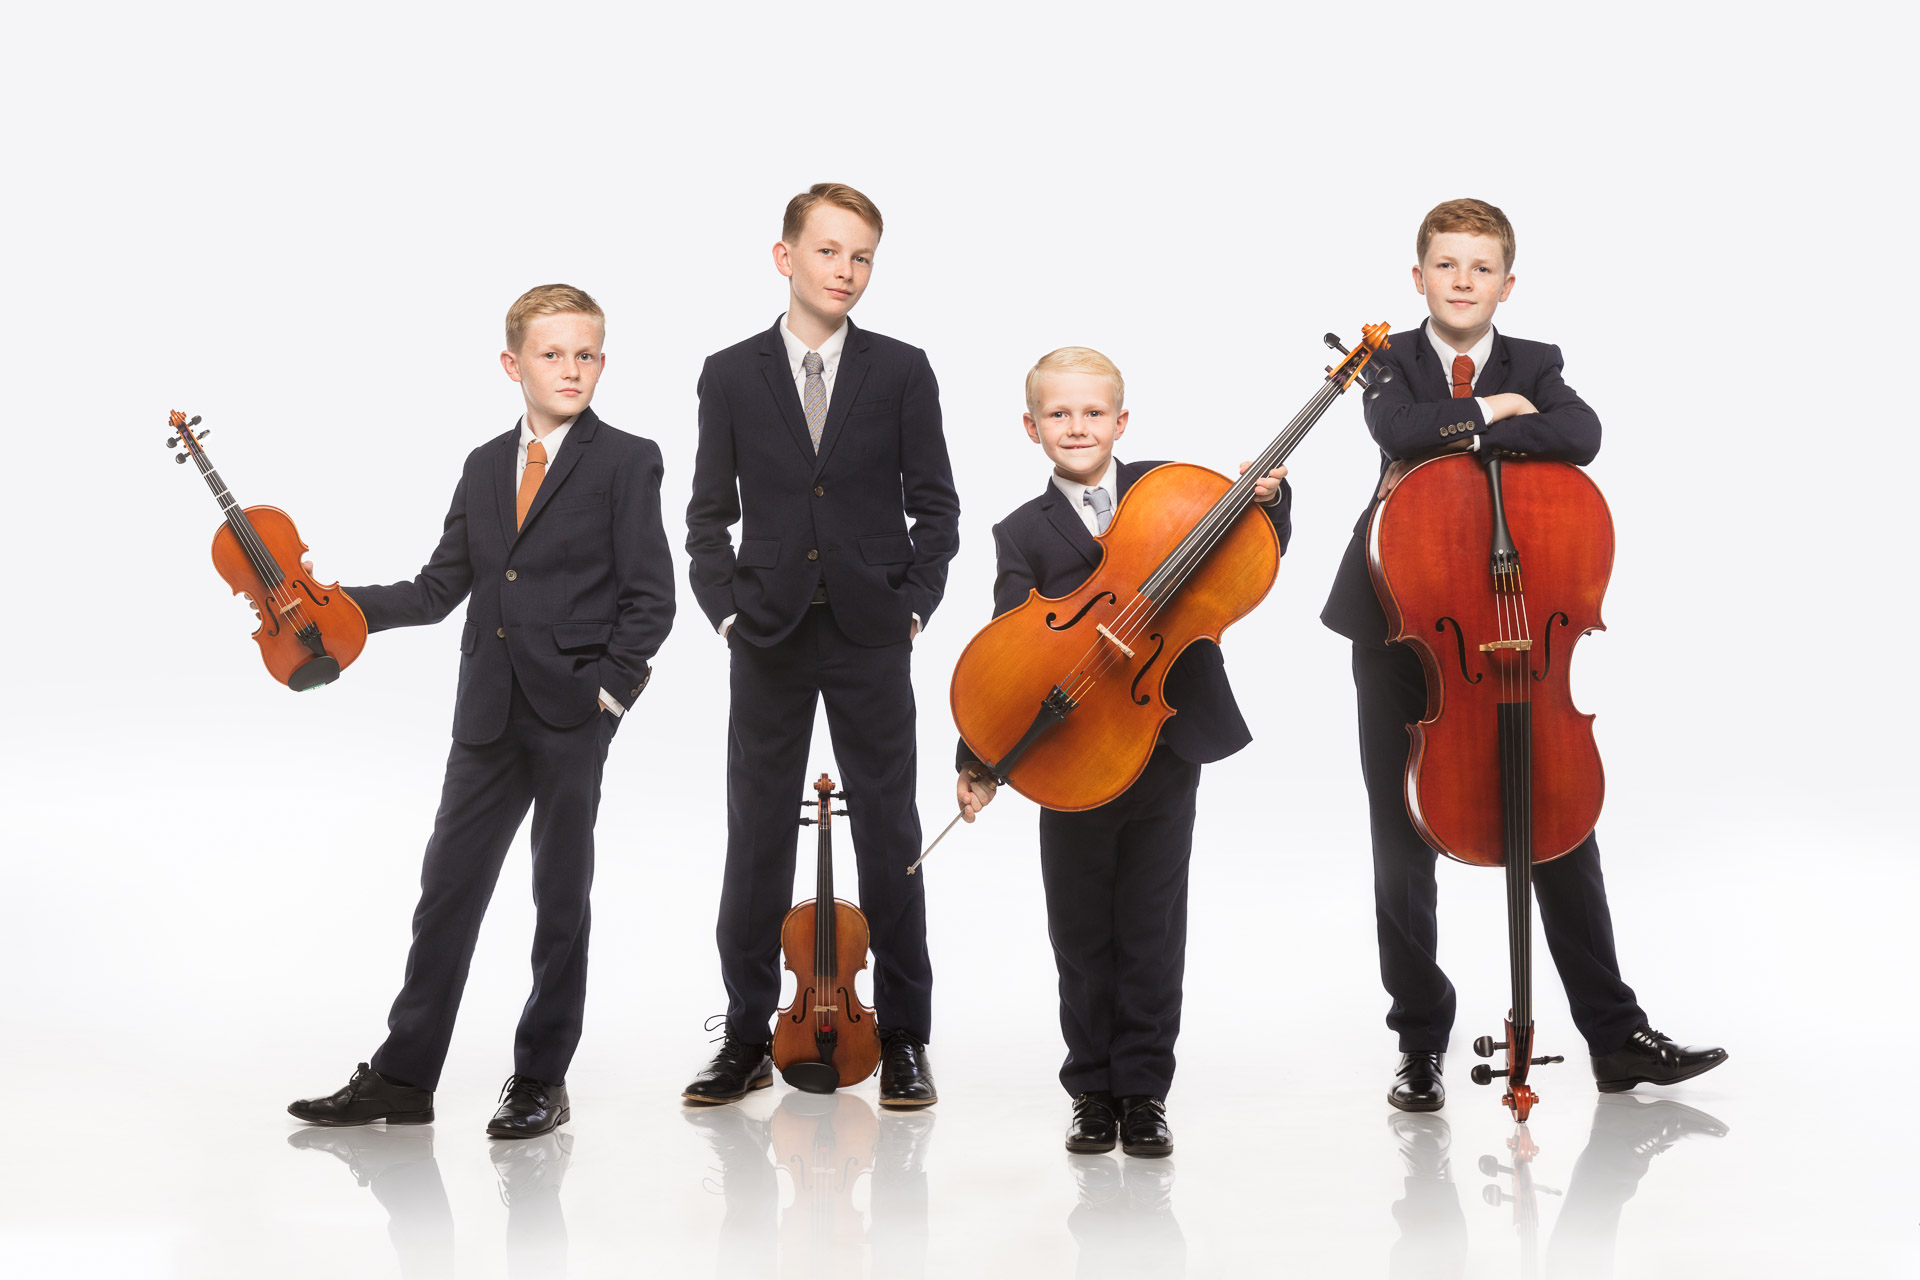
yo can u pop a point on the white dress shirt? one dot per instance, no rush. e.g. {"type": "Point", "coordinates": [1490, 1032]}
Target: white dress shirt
{"type": "Point", "coordinates": [1481, 353]}
{"type": "Point", "coordinates": [829, 353]}
{"type": "Point", "coordinates": [552, 442]}
{"type": "Point", "coordinates": [1076, 493]}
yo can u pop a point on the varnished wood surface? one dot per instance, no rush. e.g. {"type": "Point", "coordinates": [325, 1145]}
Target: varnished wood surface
{"type": "Point", "coordinates": [1006, 671]}
{"type": "Point", "coordinates": [1428, 552]}
{"type": "Point", "coordinates": [857, 1051]}
{"type": "Point", "coordinates": [343, 628]}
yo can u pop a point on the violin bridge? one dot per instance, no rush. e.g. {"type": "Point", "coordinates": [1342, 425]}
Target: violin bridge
{"type": "Point", "coordinates": [1521, 645]}
{"type": "Point", "coordinates": [1101, 627]}
{"type": "Point", "coordinates": [826, 1008]}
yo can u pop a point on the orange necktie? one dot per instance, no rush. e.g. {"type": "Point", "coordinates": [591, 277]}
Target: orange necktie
{"type": "Point", "coordinates": [1463, 377]}
{"type": "Point", "coordinates": [530, 479]}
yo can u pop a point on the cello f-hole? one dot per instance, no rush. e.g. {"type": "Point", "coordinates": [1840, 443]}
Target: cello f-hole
{"type": "Point", "coordinates": [1141, 699]}
{"type": "Point", "coordinates": [1070, 623]}
{"type": "Point", "coordinates": [1459, 640]}
{"type": "Point", "coordinates": [1547, 665]}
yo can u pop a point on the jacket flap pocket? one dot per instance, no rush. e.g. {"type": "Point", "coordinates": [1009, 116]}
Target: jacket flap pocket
{"type": "Point", "coordinates": [758, 553]}
{"type": "Point", "coordinates": [890, 548]}
{"type": "Point", "coordinates": [581, 635]}
{"type": "Point", "coordinates": [470, 638]}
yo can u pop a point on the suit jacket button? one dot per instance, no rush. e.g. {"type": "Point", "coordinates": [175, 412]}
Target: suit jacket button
{"type": "Point", "coordinates": [819, 491]}
{"type": "Point", "coordinates": [501, 632]}
{"type": "Point", "coordinates": [511, 575]}
{"type": "Point", "coordinates": [813, 555]}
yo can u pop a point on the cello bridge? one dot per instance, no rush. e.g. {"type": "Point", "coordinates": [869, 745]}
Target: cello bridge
{"type": "Point", "coordinates": [1520, 645]}
{"type": "Point", "coordinates": [1101, 627]}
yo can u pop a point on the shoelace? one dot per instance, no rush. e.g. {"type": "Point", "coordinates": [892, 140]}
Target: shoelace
{"type": "Point", "coordinates": [732, 1047]}
{"type": "Point", "coordinates": [360, 1074]}
{"type": "Point", "coordinates": [516, 1083]}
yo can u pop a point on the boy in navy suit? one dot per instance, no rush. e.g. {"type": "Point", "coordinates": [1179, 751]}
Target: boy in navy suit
{"type": "Point", "coordinates": [823, 442]}
{"type": "Point", "coordinates": [555, 534]}
{"type": "Point", "coordinates": [1115, 876]}
{"type": "Point", "coordinates": [1458, 383]}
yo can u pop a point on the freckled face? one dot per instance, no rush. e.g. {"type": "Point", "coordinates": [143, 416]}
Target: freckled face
{"type": "Point", "coordinates": [1463, 278]}
{"type": "Point", "coordinates": [559, 362]}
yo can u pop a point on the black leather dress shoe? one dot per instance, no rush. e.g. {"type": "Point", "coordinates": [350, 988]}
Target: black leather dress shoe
{"type": "Point", "coordinates": [529, 1108]}
{"type": "Point", "coordinates": [906, 1078]}
{"type": "Point", "coordinates": [1416, 1082]}
{"type": "Point", "coordinates": [1094, 1127]}
{"type": "Point", "coordinates": [1651, 1058]}
{"type": "Point", "coordinates": [367, 1098]}
{"type": "Point", "coordinates": [740, 1066]}
{"type": "Point", "coordinates": [1143, 1126]}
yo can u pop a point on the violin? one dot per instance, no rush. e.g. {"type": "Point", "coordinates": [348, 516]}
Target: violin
{"type": "Point", "coordinates": [309, 632]}
{"type": "Point", "coordinates": [826, 1144]}
{"type": "Point", "coordinates": [1503, 770]}
{"type": "Point", "coordinates": [826, 1039]}
{"type": "Point", "coordinates": [1062, 699]}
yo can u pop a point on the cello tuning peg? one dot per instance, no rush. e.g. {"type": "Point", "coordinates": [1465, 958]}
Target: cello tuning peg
{"type": "Point", "coordinates": [841, 812]}
{"type": "Point", "coordinates": [806, 822]}
{"type": "Point", "coordinates": [1382, 375]}
{"type": "Point", "coordinates": [1333, 340]}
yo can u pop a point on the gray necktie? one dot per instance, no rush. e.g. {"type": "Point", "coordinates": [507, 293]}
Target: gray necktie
{"type": "Point", "coordinates": [815, 399]}
{"type": "Point", "coordinates": [1102, 507]}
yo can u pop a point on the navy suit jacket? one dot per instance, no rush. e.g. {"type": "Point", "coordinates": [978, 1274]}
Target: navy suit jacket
{"type": "Point", "coordinates": [577, 600]}
{"type": "Point", "coordinates": [1045, 546]}
{"type": "Point", "coordinates": [1415, 414]}
{"type": "Point", "coordinates": [839, 516]}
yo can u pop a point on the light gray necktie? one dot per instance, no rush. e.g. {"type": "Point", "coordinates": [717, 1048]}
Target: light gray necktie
{"type": "Point", "coordinates": [1102, 507]}
{"type": "Point", "coordinates": [815, 399]}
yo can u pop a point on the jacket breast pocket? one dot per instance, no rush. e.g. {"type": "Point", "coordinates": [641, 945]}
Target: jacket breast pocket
{"type": "Point", "coordinates": [758, 553]}
{"type": "Point", "coordinates": [874, 409]}
{"type": "Point", "coordinates": [576, 637]}
{"type": "Point", "coordinates": [571, 501]}
{"type": "Point", "coordinates": [887, 548]}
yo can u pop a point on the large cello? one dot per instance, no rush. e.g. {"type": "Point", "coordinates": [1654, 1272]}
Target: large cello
{"type": "Point", "coordinates": [1502, 770]}
{"type": "Point", "coordinates": [1062, 698]}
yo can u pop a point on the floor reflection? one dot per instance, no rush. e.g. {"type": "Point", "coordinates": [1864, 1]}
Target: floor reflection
{"type": "Point", "coordinates": [1627, 1133]}
{"type": "Point", "coordinates": [398, 1166]}
{"type": "Point", "coordinates": [836, 1152]}
{"type": "Point", "coordinates": [1124, 1223]}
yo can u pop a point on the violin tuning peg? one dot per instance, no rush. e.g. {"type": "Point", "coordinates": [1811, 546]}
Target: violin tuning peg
{"type": "Point", "coordinates": [1485, 1045]}
{"type": "Point", "coordinates": [1484, 1074]}
{"type": "Point", "coordinates": [173, 442]}
{"type": "Point", "coordinates": [180, 457]}
{"type": "Point", "coordinates": [195, 421]}
{"type": "Point", "coordinates": [204, 434]}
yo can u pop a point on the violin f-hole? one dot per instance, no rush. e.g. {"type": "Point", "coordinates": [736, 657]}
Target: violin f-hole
{"type": "Point", "coordinates": [1460, 640]}
{"type": "Point", "coordinates": [1070, 623]}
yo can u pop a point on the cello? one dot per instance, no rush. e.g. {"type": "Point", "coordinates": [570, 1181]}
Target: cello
{"type": "Point", "coordinates": [1502, 770]}
{"type": "Point", "coordinates": [826, 1039]}
{"type": "Point", "coordinates": [1063, 698]}
{"type": "Point", "coordinates": [309, 632]}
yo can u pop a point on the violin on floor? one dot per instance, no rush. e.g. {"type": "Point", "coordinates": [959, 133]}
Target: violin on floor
{"type": "Point", "coordinates": [309, 632]}
{"type": "Point", "coordinates": [1503, 770]}
{"type": "Point", "coordinates": [826, 1039]}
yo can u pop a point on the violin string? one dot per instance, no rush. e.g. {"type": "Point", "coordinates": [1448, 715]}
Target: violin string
{"type": "Point", "coordinates": [282, 600]}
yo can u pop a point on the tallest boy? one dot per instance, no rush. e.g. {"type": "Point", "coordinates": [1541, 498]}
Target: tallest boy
{"type": "Point", "coordinates": [822, 441]}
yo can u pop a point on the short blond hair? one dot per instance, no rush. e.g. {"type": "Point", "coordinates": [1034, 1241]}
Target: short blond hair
{"type": "Point", "coordinates": [548, 300]}
{"type": "Point", "coordinates": [838, 194]}
{"type": "Point", "coordinates": [1075, 360]}
{"type": "Point", "coordinates": [1467, 215]}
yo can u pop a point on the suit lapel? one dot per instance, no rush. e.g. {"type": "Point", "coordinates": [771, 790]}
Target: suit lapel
{"type": "Point", "coordinates": [1494, 380]}
{"type": "Point", "coordinates": [846, 386]}
{"type": "Point", "coordinates": [579, 438]}
{"type": "Point", "coordinates": [779, 375]}
{"type": "Point", "coordinates": [506, 484]}
{"type": "Point", "coordinates": [1068, 522]}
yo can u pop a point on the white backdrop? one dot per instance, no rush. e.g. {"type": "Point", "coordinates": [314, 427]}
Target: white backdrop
{"type": "Point", "coordinates": [307, 229]}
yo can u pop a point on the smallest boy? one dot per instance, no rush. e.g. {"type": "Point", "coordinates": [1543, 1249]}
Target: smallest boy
{"type": "Point", "coordinates": [1116, 876]}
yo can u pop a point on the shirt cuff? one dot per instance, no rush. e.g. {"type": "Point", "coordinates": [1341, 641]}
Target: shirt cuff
{"type": "Point", "coordinates": [612, 704]}
{"type": "Point", "coordinates": [726, 623]}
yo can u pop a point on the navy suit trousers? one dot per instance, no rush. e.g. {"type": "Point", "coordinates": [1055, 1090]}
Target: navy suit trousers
{"type": "Point", "coordinates": [1392, 691]}
{"type": "Point", "coordinates": [870, 717]}
{"type": "Point", "coordinates": [1116, 885]}
{"type": "Point", "coordinates": [486, 795]}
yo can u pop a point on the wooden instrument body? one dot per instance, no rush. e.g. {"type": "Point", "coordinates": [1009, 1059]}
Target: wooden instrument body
{"type": "Point", "coordinates": [1427, 550]}
{"type": "Point", "coordinates": [343, 628]}
{"type": "Point", "coordinates": [1009, 668]}
{"type": "Point", "coordinates": [857, 1049]}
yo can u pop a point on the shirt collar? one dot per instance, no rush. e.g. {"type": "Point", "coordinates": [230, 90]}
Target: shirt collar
{"type": "Point", "coordinates": [829, 350]}
{"type": "Point", "coordinates": [554, 438]}
{"type": "Point", "coordinates": [1482, 350]}
{"type": "Point", "coordinates": [1074, 490]}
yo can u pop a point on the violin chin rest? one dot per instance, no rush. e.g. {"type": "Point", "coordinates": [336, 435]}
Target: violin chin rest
{"type": "Point", "coordinates": [812, 1077]}
{"type": "Point", "coordinates": [313, 674]}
